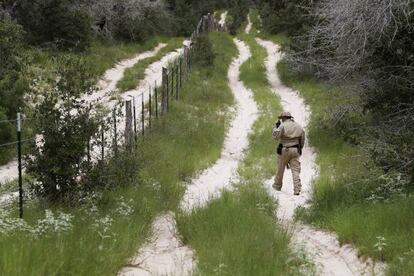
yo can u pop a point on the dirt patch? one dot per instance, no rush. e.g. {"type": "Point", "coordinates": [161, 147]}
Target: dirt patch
{"type": "Point", "coordinates": [164, 254]}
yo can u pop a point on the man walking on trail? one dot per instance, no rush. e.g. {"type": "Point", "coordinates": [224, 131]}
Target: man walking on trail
{"type": "Point", "coordinates": [292, 139]}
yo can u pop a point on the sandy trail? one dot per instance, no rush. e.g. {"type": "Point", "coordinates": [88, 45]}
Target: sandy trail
{"type": "Point", "coordinates": [223, 16]}
{"type": "Point", "coordinates": [164, 254]}
{"type": "Point", "coordinates": [210, 183]}
{"type": "Point", "coordinates": [107, 86]}
{"type": "Point", "coordinates": [8, 172]}
{"type": "Point", "coordinates": [330, 257]}
{"type": "Point", "coordinates": [249, 25]}
{"type": "Point", "coordinates": [153, 77]}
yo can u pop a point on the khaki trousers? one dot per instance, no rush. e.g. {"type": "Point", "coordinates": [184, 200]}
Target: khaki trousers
{"type": "Point", "coordinates": [289, 156]}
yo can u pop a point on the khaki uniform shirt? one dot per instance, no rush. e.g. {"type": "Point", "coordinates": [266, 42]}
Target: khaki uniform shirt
{"type": "Point", "coordinates": [290, 134]}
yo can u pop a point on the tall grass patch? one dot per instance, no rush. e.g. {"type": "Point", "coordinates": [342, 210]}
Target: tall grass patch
{"type": "Point", "coordinates": [134, 75]}
{"type": "Point", "coordinates": [345, 196]}
{"type": "Point", "coordinates": [97, 235]}
{"type": "Point", "coordinates": [237, 234]}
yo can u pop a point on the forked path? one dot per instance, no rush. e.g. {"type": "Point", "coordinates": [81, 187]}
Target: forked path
{"type": "Point", "coordinates": [164, 254]}
{"type": "Point", "coordinates": [106, 86]}
{"type": "Point", "coordinates": [324, 249]}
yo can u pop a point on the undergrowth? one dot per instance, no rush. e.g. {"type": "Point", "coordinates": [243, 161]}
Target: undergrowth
{"type": "Point", "coordinates": [96, 235]}
{"type": "Point", "coordinates": [237, 234]}
{"type": "Point", "coordinates": [134, 75]}
{"type": "Point", "coordinates": [351, 196]}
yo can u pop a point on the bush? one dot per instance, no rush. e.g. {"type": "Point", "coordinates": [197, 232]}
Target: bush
{"type": "Point", "coordinates": [59, 160]}
{"type": "Point", "coordinates": [238, 10]}
{"type": "Point", "coordinates": [203, 51]}
{"type": "Point", "coordinates": [132, 20]}
{"type": "Point", "coordinates": [12, 84]}
{"type": "Point", "coordinates": [64, 23]}
{"type": "Point", "coordinates": [287, 16]}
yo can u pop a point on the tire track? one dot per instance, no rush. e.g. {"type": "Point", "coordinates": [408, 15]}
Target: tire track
{"type": "Point", "coordinates": [165, 254]}
{"type": "Point", "coordinates": [329, 256]}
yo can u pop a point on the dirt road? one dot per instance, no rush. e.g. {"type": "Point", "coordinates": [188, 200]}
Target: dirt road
{"type": "Point", "coordinates": [164, 254]}
{"type": "Point", "coordinates": [324, 249]}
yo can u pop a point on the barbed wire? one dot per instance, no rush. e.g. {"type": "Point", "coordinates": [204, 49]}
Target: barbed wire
{"type": "Point", "coordinates": [16, 142]}
{"type": "Point", "coordinates": [8, 121]}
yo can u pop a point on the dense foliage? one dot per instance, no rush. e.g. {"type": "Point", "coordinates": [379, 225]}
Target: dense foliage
{"type": "Point", "coordinates": [66, 125]}
{"type": "Point", "coordinates": [12, 84]}
{"type": "Point", "coordinates": [366, 46]}
{"type": "Point", "coordinates": [286, 16]}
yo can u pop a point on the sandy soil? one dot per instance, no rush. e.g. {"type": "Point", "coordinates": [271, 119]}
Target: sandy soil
{"type": "Point", "coordinates": [223, 17]}
{"type": "Point", "coordinates": [164, 254]}
{"type": "Point", "coordinates": [210, 183]}
{"type": "Point", "coordinates": [249, 25]}
{"type": "Point", "coordinates": [324, 249]}
{"type": "Point", "coordinates": [106, 86]}
{"type": "Point", "coordinates": [8, 172]}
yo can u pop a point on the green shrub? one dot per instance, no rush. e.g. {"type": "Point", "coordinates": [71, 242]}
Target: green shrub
{"type": "Point", "coordinates": [12, 84]}
{"type": "Point", "coordinates": [66, 124]}
{"type": "Point", "coordinates": [203, 51]}
{"type": "Point", "coordinates": [61, 23]}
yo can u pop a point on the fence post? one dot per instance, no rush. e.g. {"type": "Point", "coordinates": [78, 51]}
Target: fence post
{"type": "Point", "coordinates": [103, 141]}
{"type": "Point", "coordinates": [167, 94]}
{"type": "Point", "coordinates": [115, 133]}
{"type": "Point", "coordinates": [172, 81]}
{"type": "Point", "coordinates": [176, 80]}
{"type": "Point", "coordinates": [164, 90]}
{"type": "Point", "coordinates": [186, 51]}
{"type": "Point", "coordinates": [156, 100]}
{"type": "Point", "coordinates": [150, 106]}
{"type": "Point", "coordinates": [19, 159]}
{"type": "Point", "coordinates": [142, 116]}
{"type": "Point", "coordinates": [128, 124]}
{"type": "Point", "coordinates": [88, 149]}
{"type": "Point", "coordinates": [135, 119]}
{"type": "Point", "coordinates": [180, 60]}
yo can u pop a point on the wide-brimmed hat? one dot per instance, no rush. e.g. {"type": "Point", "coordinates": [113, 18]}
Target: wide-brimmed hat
{"type": "Point", "coordinates": [285, 114]}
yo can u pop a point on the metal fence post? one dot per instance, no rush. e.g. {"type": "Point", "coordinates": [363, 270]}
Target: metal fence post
{"type": "Point", "coordinates": [128, 124]}
{"type": "Point", "coordinates": [88, 149]}
{"type": "Point", "coordinates": [103, 141]}
{"type": "Point", "coordinates": [172, 81]}
{"type": "Point", "coordinates": [180, 60]}
{"type": "Point", "coordinates": [150, 107]}
{"type": "Point", "coordinates": [168, 91]}
{"type": "Point", "coordinates": [142, 115]}
{"type": "Point", "coordinates": [156, 100]}
{"type": "Point", "coordinates": [19, 158]}
{"type": "Point", "coordinates": [115, 133]}
{"type": "Point", "coordinates": [176, 81]}
{"type": "Point", "coordinates": [164, 90]}
{"type": "Point", "coordinates": [135, 119]}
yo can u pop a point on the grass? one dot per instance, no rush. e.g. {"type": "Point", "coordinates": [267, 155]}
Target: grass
{"type": "Point", "coordinates": [134, 75]}
{"type": "Point", "coordinates": [280, 39]}
{"type": "Point", "coordinates": [237, 234]}
{"type": "Point", "coordinates": [383, 230]}
{"type": "Point", "coordinates": [100, 57]}
{"type": "Point", "coordinates": [182, 142]}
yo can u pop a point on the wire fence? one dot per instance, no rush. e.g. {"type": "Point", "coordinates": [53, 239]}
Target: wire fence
{"type": "Point", "coordinates": [129, 120]}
